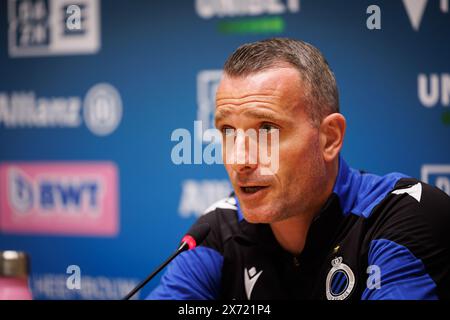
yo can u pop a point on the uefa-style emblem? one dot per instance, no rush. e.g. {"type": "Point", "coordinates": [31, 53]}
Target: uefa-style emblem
{"type": "Point", "coordinates": [340, 280]}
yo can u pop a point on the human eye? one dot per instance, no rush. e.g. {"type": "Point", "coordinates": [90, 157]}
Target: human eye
{"type": "Point", "coordinates": [227, 130]}
{"type": "Point", "coordinates": [268, 127]}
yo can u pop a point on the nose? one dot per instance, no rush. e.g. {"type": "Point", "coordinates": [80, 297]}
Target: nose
{"type": "Point", "coordinates": [243, 168]}
{"type": "Point", "coordinates": [242, 153]}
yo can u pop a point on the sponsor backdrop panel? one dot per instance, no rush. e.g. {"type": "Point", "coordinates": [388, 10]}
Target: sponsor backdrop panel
{"type": "Point", "coordinates": [92, 93]}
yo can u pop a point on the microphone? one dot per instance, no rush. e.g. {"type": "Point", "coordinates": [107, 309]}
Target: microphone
{"type": "Point", "coordinates": [193, 238]}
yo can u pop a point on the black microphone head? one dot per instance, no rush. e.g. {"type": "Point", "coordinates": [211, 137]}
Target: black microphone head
{"type": "Point", "coordinates": [196, 235]}
{"type": "Point", "coordinates": [199, 232]}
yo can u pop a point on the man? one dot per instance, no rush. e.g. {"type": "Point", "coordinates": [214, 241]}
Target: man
{"type": "Point", "coordinates": [314, 228]}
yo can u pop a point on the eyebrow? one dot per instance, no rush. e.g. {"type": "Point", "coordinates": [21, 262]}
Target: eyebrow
{"type": "Point", "coordinates": [253, 113]}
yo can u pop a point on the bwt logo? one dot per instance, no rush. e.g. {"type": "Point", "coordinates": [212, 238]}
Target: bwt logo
{"type": "Point", "coordinates": [53, 27]}
{"type": "Point", "coordinates": [53, 194]}
{"type": "Point", "coordinates": [438, 175]}
{"type": "Point", "coordinates": [59, 198]}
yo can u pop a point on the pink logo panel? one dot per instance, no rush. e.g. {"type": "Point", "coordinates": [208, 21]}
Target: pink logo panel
{"type": "Point", "coordinates": [64, 198]}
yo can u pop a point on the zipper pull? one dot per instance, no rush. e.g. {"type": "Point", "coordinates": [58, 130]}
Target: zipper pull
{"type": "Point", "coordinates": [296, 262]}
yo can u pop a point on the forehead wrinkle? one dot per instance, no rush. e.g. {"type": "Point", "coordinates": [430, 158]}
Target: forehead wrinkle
{"type": "Point", "coordinates": [250, 101]}
{"type": "Point", "coordinates": [234, 96]}
{"type": "Point", "coordinates": [264, 98]}
{"type": "Point", "coordinates": [260, 112]}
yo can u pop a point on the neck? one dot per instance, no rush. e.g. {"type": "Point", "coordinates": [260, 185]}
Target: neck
{"type": "Point", "coordinates": [291, 233]}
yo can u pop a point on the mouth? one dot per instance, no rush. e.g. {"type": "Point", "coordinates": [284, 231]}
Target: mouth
{"type": "Point", "coordinates": [252, 189]}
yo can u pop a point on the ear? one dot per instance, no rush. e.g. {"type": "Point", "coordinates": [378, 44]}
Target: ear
{"type": "Point", "coordinates": [332, 131]}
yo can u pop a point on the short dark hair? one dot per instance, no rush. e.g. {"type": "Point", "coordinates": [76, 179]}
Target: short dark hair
{"type": "Point", "coordinates": [321, 97]}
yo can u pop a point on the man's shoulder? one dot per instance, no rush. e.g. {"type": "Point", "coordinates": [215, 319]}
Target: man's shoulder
{"type": "Point", "coordinates": [414, 209]}
{"type": "Point", "coordinates": [417, 197]}
{"type": "Point", "coordinates": [366, 193]}
{"type": "Point", "coordinates": [408, 237]}
{"type": "Point", "coordinates": [360, 192]}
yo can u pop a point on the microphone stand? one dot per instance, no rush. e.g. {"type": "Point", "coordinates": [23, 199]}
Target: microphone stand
{"type": "Point", "coordinates": [182, 247]}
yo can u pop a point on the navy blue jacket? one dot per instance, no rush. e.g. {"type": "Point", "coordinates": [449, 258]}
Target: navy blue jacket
{"type": "Point", "coordinates": [375, 238]}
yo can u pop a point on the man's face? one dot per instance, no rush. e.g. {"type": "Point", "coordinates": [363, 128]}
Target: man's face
{"type": "Point", "coordinates": [271, 100]}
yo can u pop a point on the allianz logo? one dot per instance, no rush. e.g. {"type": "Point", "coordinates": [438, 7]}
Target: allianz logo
{"type": "Point", "coordinates": [101, 110]}
{"type": "Point", "coordinates": [208, 9]}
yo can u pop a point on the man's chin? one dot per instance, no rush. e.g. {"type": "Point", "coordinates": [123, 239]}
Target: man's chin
{"type": "Point", "coordinates": [259, 215]}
